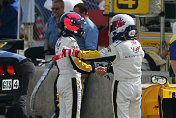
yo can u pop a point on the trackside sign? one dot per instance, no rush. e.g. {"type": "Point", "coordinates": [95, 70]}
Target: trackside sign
{"type": "Point", "coordinates": [127, 6]}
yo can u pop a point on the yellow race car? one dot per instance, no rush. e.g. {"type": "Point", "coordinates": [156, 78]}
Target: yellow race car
{"type": "Point", "coordinates": [158, 99]}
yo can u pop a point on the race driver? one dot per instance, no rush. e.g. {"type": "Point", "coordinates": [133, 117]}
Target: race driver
{"type": "Point", "coordinates": [126, 55]}
{"type": "Point", "coordinates": [69, 81]}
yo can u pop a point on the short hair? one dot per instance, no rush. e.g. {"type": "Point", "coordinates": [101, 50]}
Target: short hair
{"type": "Point", "coordinates": [82, 7]}
{"type": "Point", "coordinates": [61, 1]}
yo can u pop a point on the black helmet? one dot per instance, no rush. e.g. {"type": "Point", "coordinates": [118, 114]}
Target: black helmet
{"type": "Point", "coordinates": [70, 24]}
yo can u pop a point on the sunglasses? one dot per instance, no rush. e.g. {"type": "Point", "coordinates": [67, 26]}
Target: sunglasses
{"type": "Point", "coordinates": [55, 9]}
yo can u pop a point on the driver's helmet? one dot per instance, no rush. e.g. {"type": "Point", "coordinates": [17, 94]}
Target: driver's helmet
{"type": "Point", "coordinates": [122, 27]}
{"type": "Point", "coordinates": [70, 24]}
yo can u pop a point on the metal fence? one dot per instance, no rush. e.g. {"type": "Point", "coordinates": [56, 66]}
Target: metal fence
{"type": "Point", "coordinates": [41, 18]}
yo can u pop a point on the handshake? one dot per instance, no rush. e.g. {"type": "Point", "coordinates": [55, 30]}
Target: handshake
{"type": "Point", "coordinates": [65, 53]}
{"type": "Point", "coordinates": [99, 71]}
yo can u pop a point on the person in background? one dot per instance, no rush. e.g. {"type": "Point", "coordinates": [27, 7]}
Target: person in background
{"type": "Point", "coordinates": [51, 34]}
{"type": "Point", "coordinates": [26, 70]}
{"type": "Point", "coordinates": [126, 55]}
{"type": "Point", "coordinates": [9, 21]}
{"type": "Point", "coordinates": [172, 50]}
{"type": "Point", "coordinates": [9, 18]}
{"type": "Point", "coordinates": [90, 38]}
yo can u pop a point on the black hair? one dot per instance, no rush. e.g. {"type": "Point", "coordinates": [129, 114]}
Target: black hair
{"type": "Point", "coordinates": [60, 1]}
{"type": "Point", "coordinates": [82, 7]}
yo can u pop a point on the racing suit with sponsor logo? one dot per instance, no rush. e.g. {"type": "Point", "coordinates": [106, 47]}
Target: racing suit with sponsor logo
{"type": "Point", "coordinates": [69, 80]}
{"type": "Point", "coordinates": [126, 57]}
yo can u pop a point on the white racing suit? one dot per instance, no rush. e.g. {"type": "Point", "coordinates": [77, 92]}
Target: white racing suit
{"type": "Point", "coordinates": [126, 57]}
{"type": "Point", "coordinates": [69, 80]}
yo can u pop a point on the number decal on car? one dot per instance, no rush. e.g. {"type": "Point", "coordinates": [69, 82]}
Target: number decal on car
{"type": "Point", "coordinates": [15, 84]}
{"type": "Point", "coordinates": [7, 84]}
